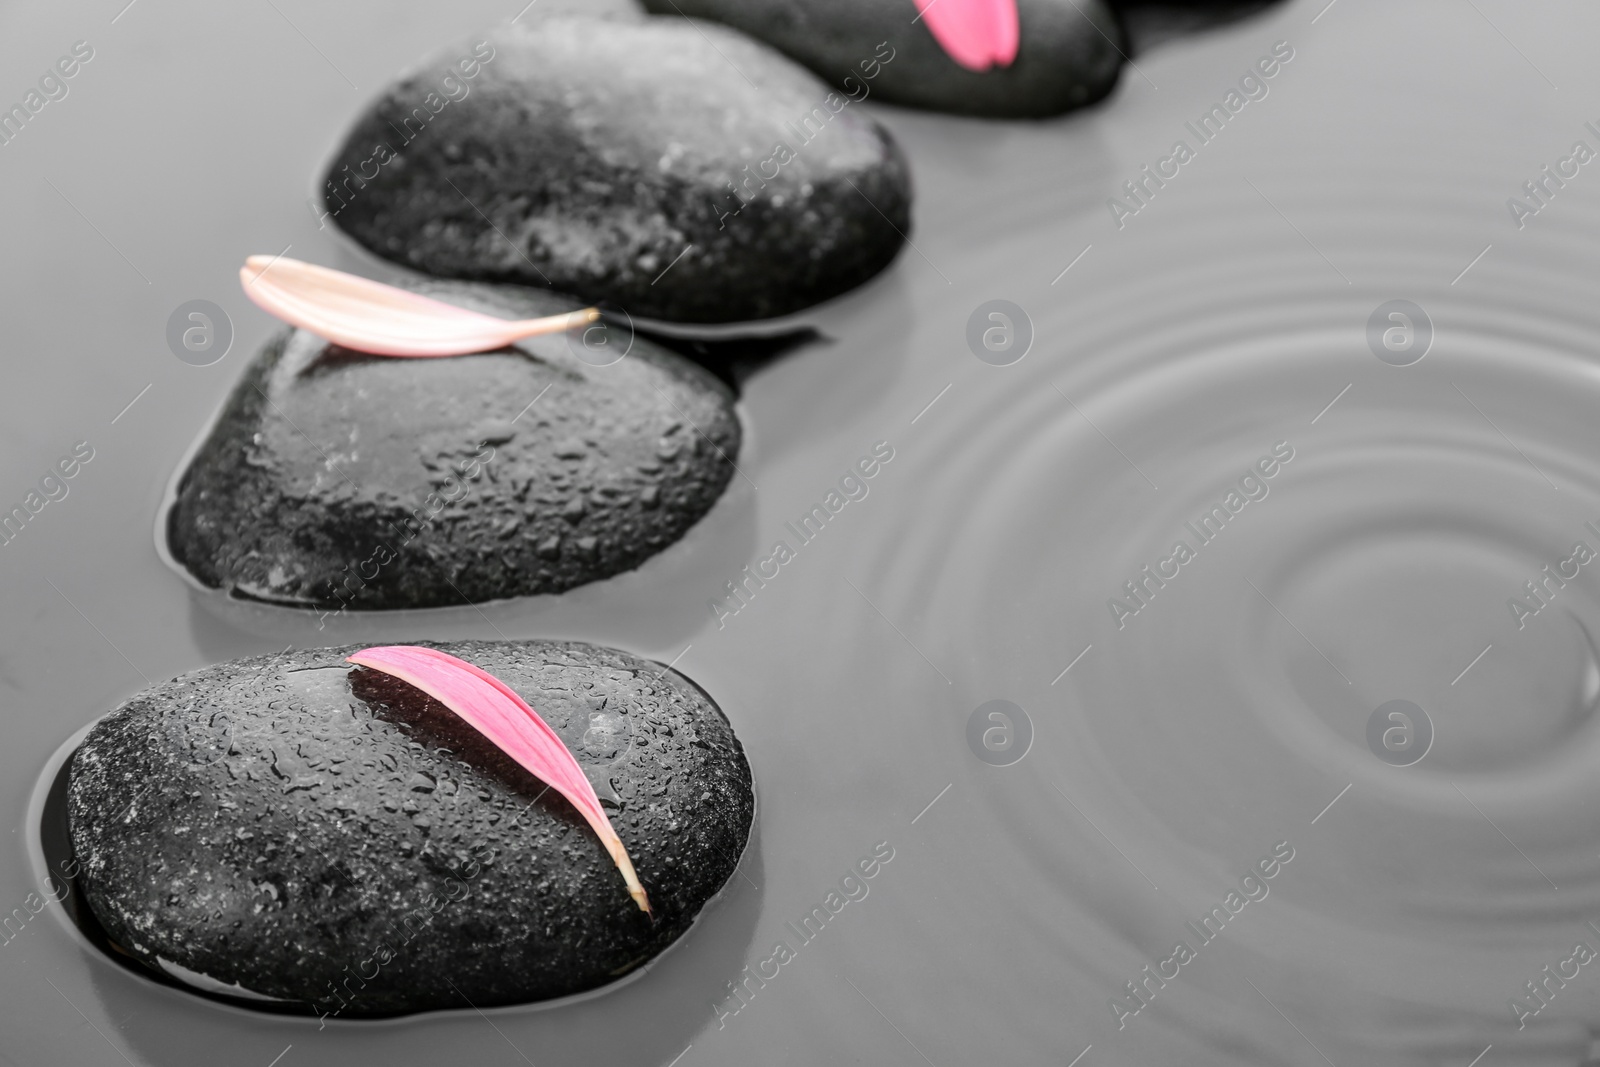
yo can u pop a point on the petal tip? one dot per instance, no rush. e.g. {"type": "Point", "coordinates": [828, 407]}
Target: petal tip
{"type": "Point", "coordinates": [977, 35]}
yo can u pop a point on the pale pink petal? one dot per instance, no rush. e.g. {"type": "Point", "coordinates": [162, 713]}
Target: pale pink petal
{"type": "Point", "coordinates": [368, 316]}
{"type": "Point", "coordinates": [975, 33]}
{"type": "Point", "coordinates": [494, 710]}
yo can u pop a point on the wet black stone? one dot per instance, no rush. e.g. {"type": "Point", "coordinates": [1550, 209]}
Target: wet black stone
{"type": "Point", "coordinates": [589, 155]}
{"type": "Point", "coordinates": [338, 479]}
{"type": "Point", "coordinates": [1068, 55]}
{"type": "Point", "coordinates": [334, 839]}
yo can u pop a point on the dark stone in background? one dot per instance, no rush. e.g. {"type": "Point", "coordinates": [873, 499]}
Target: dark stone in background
{"type": "Point", "coordinates": [1068, 55]}
{"type": "Point", "coordinates": [1148, 23]}
{"type": "Point", "coordinates": [587, 155]}
{"type": "Point", "coordinates": [334, 477]}
{"type": "Point", "coordinates": [285, 822]}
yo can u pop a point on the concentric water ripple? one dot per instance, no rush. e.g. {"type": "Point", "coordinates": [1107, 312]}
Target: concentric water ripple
{"type": "Point", "coordinates": [1309, 533]}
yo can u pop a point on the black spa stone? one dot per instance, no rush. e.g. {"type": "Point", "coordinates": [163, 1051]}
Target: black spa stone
{"type": "Point", "coordinates": [662, 166]}
{"type": "Point", "coordinates": [1069, 56]}
{"type": "Point", "coordinates": [336, 479]}
{"type": "Point", "coordinates": [294, 828]}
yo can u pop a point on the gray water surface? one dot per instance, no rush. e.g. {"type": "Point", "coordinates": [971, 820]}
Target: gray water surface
{"type": "Point", "coordinates": [1168, 755]}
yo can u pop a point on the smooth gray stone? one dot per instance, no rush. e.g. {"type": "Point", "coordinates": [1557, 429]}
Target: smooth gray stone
{"type": "Point", "coordinates": [1068, 57]}
{"type": "Point", "coordinates": [296, 828]}
{"type": "Point", "coordinates": [629, 161]}
{"type": "Point", "coordinates": [340, 480]}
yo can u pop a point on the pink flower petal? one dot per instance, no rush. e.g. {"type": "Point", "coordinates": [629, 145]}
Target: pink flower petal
{"type": "Point", "coordinates": [494, 710]}
{"type": "Point", "coordinates": [977, 34]}
{"type": "Point", "coordinates": [368, 316]}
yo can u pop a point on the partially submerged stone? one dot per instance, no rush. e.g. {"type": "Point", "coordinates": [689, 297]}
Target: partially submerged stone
{"type": "Point", "coordinates": [335, 479]}
{"type": "Point", "coordinates": [1069, 56]}
{"type": "Point", "coordinates": [295, 830]}
{"type": "Point", "coordinates": [679, 171]}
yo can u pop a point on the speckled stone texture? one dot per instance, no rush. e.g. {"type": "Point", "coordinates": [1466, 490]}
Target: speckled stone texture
{"type": "Point", "coordinates": [1068, 55]}
{"type": "Point", "coordinates": [333, 838]}
{"type": "Point", "coordinates": [588, 155]}
{"type": "Point", "coordinates": [336, 479]}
